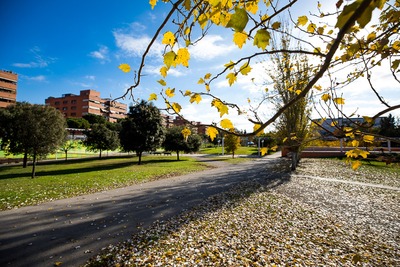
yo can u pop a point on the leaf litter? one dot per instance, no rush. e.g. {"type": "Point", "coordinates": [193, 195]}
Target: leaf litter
{"type": "Point", "coordinates": [302, 222]}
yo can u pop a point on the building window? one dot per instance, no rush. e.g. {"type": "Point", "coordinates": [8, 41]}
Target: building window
{"type": "Point", "coordinates": [73, 108]}
{"type": "Point", "coordinates": [65, 102]}
{"type": "Point", "coordinates": [73, 101]}
{"type": "Point", "coordinates": [64, 108]}
{"type": "Point", "coordinates": [57, 103]}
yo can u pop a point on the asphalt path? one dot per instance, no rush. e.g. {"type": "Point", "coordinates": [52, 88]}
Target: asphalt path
{"type": "Point", "coordinates": [70, 231]}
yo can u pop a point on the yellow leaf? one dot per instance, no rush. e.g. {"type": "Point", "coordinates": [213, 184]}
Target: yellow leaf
{"type": "Point", "coordinates": [153, 96]}
{"type": "Point", "coordinates": [207, 76]}
{"type": "Point", "coordinates": [256, 127]}
{"type": "Point", "coordinates": [168, 38]}
{"type": "Point", "coordinates": [226, 124]}
{"type": "Point", "coordinates": [302, 20]}
{"type": "Point", "coordinates": [284, 140]}
{"type": "Point", "coordinates": [162, 82]}
{"type": "Point", "coordinates": [356, 164]}
{"type": "Point", "coordinates": [201, 81]}
{"type": "Point", "coordinates": [239, 38]}
{"type": "Point", "coordinates": [169, 59]}
{"type": "Point", "coordinates": [176, 107]}
{"type": "Point", "coordinates": [245, 69]}
{"type": "Point", "coordinates": [355, 143]}
{"type": "Point", "coordinates": [187, 93]}
{"type": "Point", "coordinates": [368, 138]}
{"type": "Point", "coordinates": [207, 87]}
{"type": "Point", "coordinates": [264, 151]}
{"type": "Point", "coordinates": [326, 97]}
{"type": "Point", "coordinates": [212, 132]}
{"type": "Point", "coordinates": [276, 25]}
{"type": "Point", "coordinates": [153, 3]}
{"type": "Point", "coordinates": [318, 87]}
{"type": "Point", "coordinates": [186, 132]}
{"type": "Point", "coordinates": [231, 78]}
{"type": "Point", "coordinates": [221, 107]}
{"type": "Point", "coordinates": [195, 97]}
{"type": "Point", "coordinates": [125, 67]}
{"type": "Point", "coordinates": [371, 36]}
{"type": "Point", "coordinates": [274, 148]}
{"type": "Point", "coordinates": [364, 154]}
{"type": "Point", "coordinates": [339, 100]}
{"type": "Point", "coordinates": [262, 39]}
{"type": "Point", "coordinates": [163, 71]}
{"type": "Point", "coordinates": [229, 65]}
{"type": "Point", "coordinates": [311, 27]}
{"type": "Point", "coordinates": [170, 92]}
{"type": "Point", "coordinates": [252, 7]}
{"type": "Point", "coordinates": [183, 57]}
{"type": "Point", "coordinates": [298, 92]}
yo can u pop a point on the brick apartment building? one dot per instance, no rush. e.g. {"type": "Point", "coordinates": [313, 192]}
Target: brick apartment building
{"type": "Point", "coordinates": [195, 126]}
{"type": "Point", "coordinates": [88, 102]}
{"type": "Point", "coordinates": [8, 88]}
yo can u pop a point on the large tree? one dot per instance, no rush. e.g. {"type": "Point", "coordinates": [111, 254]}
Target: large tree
{"type": "Point", "coordinates": [175, 140]}
{"type": "Point", "coordinates": [142, 130]}
{"type": "Point", "coordinates": [336, 37]}
{"type": "Point", "coordinates": [100, 138]}
{"type": "Point", "coordinates": [33, 130]}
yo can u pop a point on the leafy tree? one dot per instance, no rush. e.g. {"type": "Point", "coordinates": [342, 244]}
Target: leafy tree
{"type": "Point", "coordinates": [33, 130]}
{"type": "Point", "coordinates": [100, 138]}
{"type": "Point", "coordinates": [388, 127]}
{"type": "Point", "coordinates": [176, 141]}
{"type": "Point", "coordinates": [142, 130]}
{"type": "Point", "coordinates": [93, 118]}
{"type": "Point", "coordinates": [78, 123]}
{"type": "Point", "coordinates": [352, 45]}
{"type": "Point", "coordinates": [231, 143]}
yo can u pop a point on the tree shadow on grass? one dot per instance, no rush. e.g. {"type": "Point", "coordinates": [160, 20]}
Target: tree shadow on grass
{"type": "Point", "coordinates": [100, 167]}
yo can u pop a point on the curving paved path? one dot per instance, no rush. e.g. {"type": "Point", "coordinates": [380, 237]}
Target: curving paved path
{"type": "Point", "coordinates": [73, 230]}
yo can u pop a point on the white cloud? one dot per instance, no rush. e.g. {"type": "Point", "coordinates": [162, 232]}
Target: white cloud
{"type": "Point", "coordinates": [39, 62]}
{"type": "Point", "coordinates": [90, 77]}
{"type": "Point", "coordinates": [155, 70]}
{"type": "Point", "coordinates": [39, 78]}
{"type": "Point", "coordinates": [101, 54]}
{"type": "Point", "coordinates": [135, 46]}
{"type": "Point", "coordinates": [210, 47]}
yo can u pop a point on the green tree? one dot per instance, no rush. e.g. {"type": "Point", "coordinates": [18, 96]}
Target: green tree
{"type": "Point", "coordinates": [175, 141]}
{"type": "Point", "coordinates": [33, 130]}
{"type": "Point", "coordinates": [142, 130]}
{"type": "Point", "coordinates": [335, 37]}
{"type": "Point", "coordinates": [388, 127]}
{"type": "Point", "coordinates": [100, 138]}
{"type": "Point", "coordinates": [78, 123]}
{"type": "Point", "coordinates": [93, 118]}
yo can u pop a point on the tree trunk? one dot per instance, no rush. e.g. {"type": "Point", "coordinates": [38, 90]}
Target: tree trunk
{"type": "Point", "coordinates": [100, 154]}
{"type": "Point", "coordinates": [177, 155]}
{"type": "Point", "coordinates": [34, 166]}
{"type": "Point", "coordinates": [140, 157]}
{"type": "Point", "coordinates": [233, 154]}
{"type": "Point", "coordinates": [25, 161]}
{"type": "Point", "coordinates": [66, 154]}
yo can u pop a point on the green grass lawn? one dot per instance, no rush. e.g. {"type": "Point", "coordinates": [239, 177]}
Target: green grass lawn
{"type": "Point", "coordinates": [65, 179]}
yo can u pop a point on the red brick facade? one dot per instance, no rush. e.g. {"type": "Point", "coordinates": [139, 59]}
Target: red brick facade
{"type": "Point", "coordinates": [88, 102]}
{"type": "Point", "coordinates": [8, 88]}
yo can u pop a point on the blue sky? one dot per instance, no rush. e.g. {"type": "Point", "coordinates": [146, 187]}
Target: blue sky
{"type": "Point", "coordinates": [59, 47]}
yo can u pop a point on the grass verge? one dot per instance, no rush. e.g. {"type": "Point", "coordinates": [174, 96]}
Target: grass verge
{"type": "Point", "coordinates": [72, 178]}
